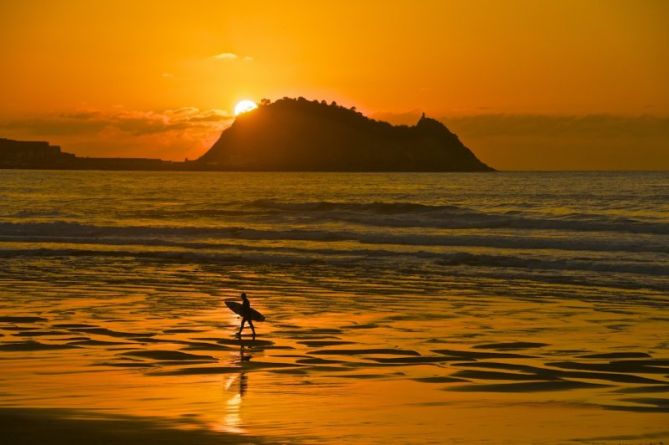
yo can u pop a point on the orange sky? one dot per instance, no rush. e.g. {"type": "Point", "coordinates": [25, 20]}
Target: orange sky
{"type": "Point", "coordinates": [159, 78]}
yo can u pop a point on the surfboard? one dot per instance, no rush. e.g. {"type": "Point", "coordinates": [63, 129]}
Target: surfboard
{"type": "Point", "coordinates": [238, 309]}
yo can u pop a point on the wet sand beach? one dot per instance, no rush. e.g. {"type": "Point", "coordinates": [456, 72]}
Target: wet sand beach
{"type": "Point", "coordinates": [457, 370]}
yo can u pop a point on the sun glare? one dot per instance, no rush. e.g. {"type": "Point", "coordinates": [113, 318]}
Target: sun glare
{"type": "Point", "coordinates": [244, 106]}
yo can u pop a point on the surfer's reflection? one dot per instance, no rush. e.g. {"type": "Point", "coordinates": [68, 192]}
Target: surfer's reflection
{"type": "Point", "coordinates": [232, 422]}
{"type": "Point", "coordinates": [243, 378]}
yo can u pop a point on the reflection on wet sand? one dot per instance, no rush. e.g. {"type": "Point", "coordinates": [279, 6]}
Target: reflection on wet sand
{"type": "Point", "coordinates": [232, 421]}
{"type": "Point", "coordinates": [318, 371]}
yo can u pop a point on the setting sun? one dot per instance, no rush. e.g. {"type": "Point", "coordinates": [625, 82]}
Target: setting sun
{"type": "Point", "coordinates": [244, 106]}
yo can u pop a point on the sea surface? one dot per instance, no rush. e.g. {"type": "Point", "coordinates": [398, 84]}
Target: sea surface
{"type": "Point", "coordinates": [401, 308]}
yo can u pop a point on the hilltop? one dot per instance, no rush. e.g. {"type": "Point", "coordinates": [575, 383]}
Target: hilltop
{"type": "Point", "coordinates": [287, 135]}
{"type": "Point", "coordinates": [302, 135]}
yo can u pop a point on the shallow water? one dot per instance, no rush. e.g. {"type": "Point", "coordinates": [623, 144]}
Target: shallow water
{"type": "Point", "coordinates": [498, 308]}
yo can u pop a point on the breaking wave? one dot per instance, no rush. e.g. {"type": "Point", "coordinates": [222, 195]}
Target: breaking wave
{"type": "Point", "coordinates": [407, 214]}
{"type": "Point", "coordinates": [200, 237]}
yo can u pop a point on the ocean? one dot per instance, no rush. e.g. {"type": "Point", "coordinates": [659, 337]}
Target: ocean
{"type": "Point", "coordinates": [429, 299]}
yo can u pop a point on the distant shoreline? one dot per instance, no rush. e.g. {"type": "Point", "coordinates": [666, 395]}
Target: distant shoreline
{"type": "Point", "coordinates": [212, 170]}
{"type": "Point", "coordinates": [40, 155]}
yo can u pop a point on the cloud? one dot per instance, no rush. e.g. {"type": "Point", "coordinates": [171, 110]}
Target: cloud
{"type": "Point", "coordinates": [226, 56]}
{"type": "Point", "coordinates": [168, 134]}
{"type": "Point", "coordinates": [543, 125]}
{"type": "Point", "coordinates": [591, 125]}
{"type": "Point", "coordinates": [133, 122]}
{"type": "Point", "coordinates": [231, 57]}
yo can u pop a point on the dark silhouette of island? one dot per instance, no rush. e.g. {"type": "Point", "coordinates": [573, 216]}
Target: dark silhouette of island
{"type": "Point", "coordinates": [288, 135]}
{"type": "Point", "coordinates": [303, 135]}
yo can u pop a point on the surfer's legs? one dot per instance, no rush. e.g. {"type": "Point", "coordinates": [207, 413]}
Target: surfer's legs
{"type": "Point", "coordinates": [241, 327]}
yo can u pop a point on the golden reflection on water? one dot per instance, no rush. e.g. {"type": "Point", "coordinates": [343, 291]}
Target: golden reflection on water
{"type": "Point", "coordinates": [235, 386]}
{"type": "Point", "coordinates": [232, 421]}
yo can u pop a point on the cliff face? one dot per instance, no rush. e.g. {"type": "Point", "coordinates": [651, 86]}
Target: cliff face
{"type": "Point", "coordinates": [302, 135]}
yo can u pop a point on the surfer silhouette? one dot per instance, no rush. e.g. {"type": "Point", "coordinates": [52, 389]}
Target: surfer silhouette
{"type": "Point", "coordinates": [246, 312]}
